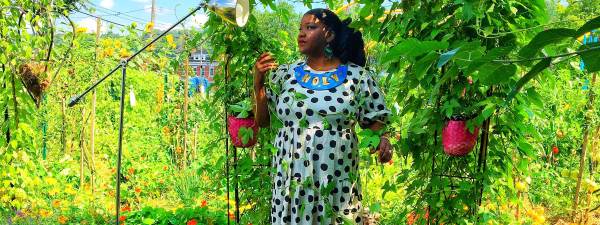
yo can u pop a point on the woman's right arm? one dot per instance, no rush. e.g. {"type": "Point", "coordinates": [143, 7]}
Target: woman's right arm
{"type": "Point", "coordinates": [264, 64]}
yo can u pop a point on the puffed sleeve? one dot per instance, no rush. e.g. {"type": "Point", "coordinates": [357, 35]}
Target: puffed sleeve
{"type": "Point", "coordinates": [274, 83]}
{"type": "Point", "coordinates": [371, 107]}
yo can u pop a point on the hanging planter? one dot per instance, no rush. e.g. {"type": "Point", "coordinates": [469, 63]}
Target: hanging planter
{"type": "Point", "coordinates": [242, 128]}
{"type": "Point", "coordinates": [456, 138]}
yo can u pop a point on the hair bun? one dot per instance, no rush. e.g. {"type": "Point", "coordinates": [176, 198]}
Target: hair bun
{"type": "Point", "coordinates": [347, 21]}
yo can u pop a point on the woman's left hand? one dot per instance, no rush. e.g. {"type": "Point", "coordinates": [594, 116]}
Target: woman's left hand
{"type": "Point", "coordinates": [384, 149]}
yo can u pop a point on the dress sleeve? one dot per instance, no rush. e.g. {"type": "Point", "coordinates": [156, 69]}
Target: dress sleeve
{"type": "Point", "coordinates": [371, 107]}
{"type": "Point", "coordinates": [274, 83]}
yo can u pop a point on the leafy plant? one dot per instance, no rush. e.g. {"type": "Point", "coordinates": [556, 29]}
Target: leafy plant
{"type": "Point", "coordinates": [242, 109]}
{"type": "Point", "coordinates": [246, 134]}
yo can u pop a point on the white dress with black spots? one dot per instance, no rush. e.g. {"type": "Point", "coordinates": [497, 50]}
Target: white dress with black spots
{"type": "Point", "coordinates": [316, 181]}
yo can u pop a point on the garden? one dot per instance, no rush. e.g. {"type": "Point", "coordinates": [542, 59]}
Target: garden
{"type": "Point", "coordinates": [495, 114]}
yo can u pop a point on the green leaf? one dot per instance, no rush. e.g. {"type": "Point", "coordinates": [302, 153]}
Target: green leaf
{"type": "Point", "coordinates": [375, 208]}
{"type": "Point", "coordinates": [588, 26]}
{"type": "Point", "coordinates": [500, 75]}
{"type": "Point", "coordinates": [299, 96]}
{"type": "Point", "coordinates": [148, 221]}
{"type": "Point", "coordinates": [544, 38]}
{"type": "Point", "coordinates": [491, 55]}
{"type": "Point", "coordinates": [412, 48]}
{"type": "Point", "coordinates": [525, 148]}
{"type": "Point", "coordinates": [424, 64]}
{"type": "Point", "coordinates": [539, 67]}
{"type": "Point", "coordinates": [444, 58]}
{"type": "Point", "coordinates": [591, 58]}
{"type": "Point", "coordinates": [246, 134]}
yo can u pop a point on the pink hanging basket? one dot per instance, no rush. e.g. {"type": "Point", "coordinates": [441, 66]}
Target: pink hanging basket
{"type": "Point", "coordinates": [457, 139]}
{"type": "Point", "coordinates": [234, 127]}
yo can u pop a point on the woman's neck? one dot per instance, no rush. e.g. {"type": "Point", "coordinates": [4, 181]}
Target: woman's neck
{"type": "Point", "coordinates": [322, 62]}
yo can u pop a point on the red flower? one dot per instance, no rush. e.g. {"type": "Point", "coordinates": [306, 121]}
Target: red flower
{"type": "Point", "coordinates": [555, 150]}
{"type": "Point", "coordinates": [204, 203]}
{"type": "Point", "coordinates": [122, 218]}
{"type": "Point", "coordinates": [192, 222]}
{"type": "Point", "coordinates": [126, 208]}
{"type": "Point", "coordinates": [231, 216]}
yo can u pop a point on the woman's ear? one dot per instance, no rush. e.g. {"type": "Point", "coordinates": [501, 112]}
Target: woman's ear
{"type": "Point", "coordinates": [329, 36]}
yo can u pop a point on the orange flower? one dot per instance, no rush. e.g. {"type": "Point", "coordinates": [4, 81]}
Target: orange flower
{"type": "Point", "coordinates": [231, 216]}
{"type": "Point", "coordinates": [62, 219]}
{"type": "Point", "coordinates": [204, 203]}
{"type": "Point", "coordinates": [179, 149]}
{"type": "Point", "coordinates": [391, 162]}
{"type": "Point", "coordinates": [165, 168]}
{"type": "Point", "coordinates": [192, 222]}
{"type": "Point", "coordinates": [138, 190]}
{"type": "Point", "coordinates": [56, 203]}
{"type": "Point", "coordinates": [131, 171]}
{"type": "Point", "coordinates": [126, 208]}
{"type": "Point", "coordinates": [122, 218]}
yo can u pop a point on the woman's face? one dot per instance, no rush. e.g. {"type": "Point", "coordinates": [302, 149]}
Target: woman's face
{"type": "Point", "coordinates": [313, 36]}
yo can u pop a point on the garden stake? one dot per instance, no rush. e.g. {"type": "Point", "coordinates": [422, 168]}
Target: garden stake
{"type": "Point", "coordinates": [586, 131]}
{"type": "Point", "coordinates": [120, 145]}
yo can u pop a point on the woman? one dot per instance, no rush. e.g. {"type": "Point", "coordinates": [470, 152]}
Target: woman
{"type": "Point", "coordinates": [319, 100]}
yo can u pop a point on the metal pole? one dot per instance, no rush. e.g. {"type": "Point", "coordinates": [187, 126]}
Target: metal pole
{"type": "Point", "coordinates": [120, 146]}
{"type": "Point", "coordinates": [77, 98]}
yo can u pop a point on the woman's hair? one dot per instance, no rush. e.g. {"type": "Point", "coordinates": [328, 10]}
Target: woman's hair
{"type": "Point", "coordinates": [347, 44]}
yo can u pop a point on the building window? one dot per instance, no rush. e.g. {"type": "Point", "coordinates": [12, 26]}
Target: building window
{"type": "Point", "coordinates": [211, 72]}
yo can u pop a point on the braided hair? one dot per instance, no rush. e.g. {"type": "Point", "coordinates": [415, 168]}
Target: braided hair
{"type": "Point", "coordinates": [348, 44]}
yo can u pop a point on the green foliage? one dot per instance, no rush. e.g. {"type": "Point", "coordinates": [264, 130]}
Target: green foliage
{"type": "Point", "coordinates": [160, 216]}
{"type": "Point", "coordinates": [437, 60]}
{"type": "Point", "coordinates": [242, 109]}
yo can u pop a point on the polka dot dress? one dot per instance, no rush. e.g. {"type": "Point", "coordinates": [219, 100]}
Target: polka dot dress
{"type": "Point", "coordinates": [316, 178]}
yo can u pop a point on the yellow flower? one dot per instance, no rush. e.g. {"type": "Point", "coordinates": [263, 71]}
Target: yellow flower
{"type": "Point", "coordinates": [44, 213]}
{"type": "Point", "coordinates": [53, 191]}
{"type": "Point", "coordinates": [80, 30]}
{"type": "Point", "coordinates": [107, 42]}
{"type": "Point", "coordinates": [109, 52]}
{"type": "Point", "coordinates": [117, 44]}
{"type": "Point", "coordinates": [149, 27]}
{"type": "Point", "coordinates": [62, 219]}
{"type": "Point", "coordinates": [56, 203]}
{"type": "Point", "coordinates": [124, 53]}
{"type": "Point", "coordinates": [171, 41]}
{"type": "Point", "coordinates": [50, 181]}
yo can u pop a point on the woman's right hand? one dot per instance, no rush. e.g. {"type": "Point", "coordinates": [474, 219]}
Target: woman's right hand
{"type": "Point", "coordinates": [265, 63]}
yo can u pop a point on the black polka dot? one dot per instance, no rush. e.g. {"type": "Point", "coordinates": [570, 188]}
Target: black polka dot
{"type": "Point", "coordinates": [315, 157]}
{"type": "Point", "coordinates": [319, 133]}
{"type": "Point", "coordinates": [324, 167]}
{"type": "Point", "coordinates": [327, 98]}
{"type": "Point", "coordinates": [309, 112]}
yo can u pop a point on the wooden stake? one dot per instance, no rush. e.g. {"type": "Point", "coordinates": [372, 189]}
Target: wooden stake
{"type": "Point", "coordinates": [93, 113]}
{"type": "Point", "coordinates": [586, 131]}
{"type": "Point", "coordinates": [82, 149]}
{"type": "Point", "coordinates": [185, 108]}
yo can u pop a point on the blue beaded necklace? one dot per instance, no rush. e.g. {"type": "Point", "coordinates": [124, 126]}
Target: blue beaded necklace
{"type": "Point", "coordinates": [320, 81]}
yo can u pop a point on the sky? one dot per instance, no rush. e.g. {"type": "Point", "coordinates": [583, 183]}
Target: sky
{"type": "Point", "coordinates": [128, 11]}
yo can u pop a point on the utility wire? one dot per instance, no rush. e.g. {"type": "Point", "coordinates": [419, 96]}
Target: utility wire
{"type": "Point", "coordinates": [112, 22]}
{"type": "Point", "coordinates": [106, 10]}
